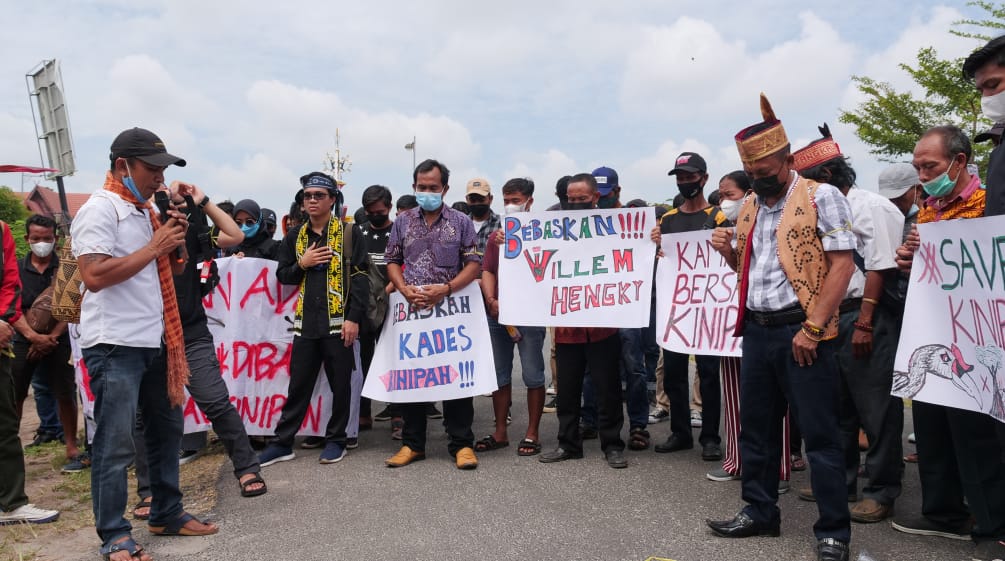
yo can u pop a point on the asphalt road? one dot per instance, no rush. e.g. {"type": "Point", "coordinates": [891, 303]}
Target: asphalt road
{"type": "Point", "coordinates": [514, 508]}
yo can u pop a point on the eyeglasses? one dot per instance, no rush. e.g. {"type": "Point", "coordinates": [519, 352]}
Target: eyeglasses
{"type": "Point", "coordinates": [318, 196]}
{"type": "Point", "coordinates": [248, 222]}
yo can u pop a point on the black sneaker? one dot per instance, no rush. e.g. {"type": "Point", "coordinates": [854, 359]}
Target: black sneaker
{"type": "Point", "coordinates": [186, 456]}
{"type": "Point", "coordinates": [384, 415]}
{"type": "Point", "coordinates": [432, 412]}
{"type": "Point", "coordinates": [551, 406]}
{"type": "Point", "coordinates": [312, 442]}
{"type": "Point", "coordinates": [42, 438]}
{"type": "Point", "coordinates": [921, 526]}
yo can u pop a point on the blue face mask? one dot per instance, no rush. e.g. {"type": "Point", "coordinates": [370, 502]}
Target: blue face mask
{"type": "Point", "coordinates": [914, 210]}
{"type": "Point", "coordinates": [249, 230]}
{"type": "Point", "coordinates": [131, 185]}
{"type": "Point", "coordinates": [429, 201]}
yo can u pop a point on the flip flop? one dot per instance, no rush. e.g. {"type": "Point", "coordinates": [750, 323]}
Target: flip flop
{"type": "Point", "coordinates": [528, 443]}
{"type": "Point", "coordinates": [146, 503]}
{"type": "Point", "coordinates": [490, 443]}
{"type": "Point", "coordinates": [178, 527]}
{"type": "Point", "coordinates": [245, 492]}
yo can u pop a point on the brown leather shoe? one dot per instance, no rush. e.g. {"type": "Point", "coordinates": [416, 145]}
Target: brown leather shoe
{"type": "Point", "coordinates": [466, 459]}
{"type": "Point", "coordinates": [869, 510]}
{"type": "Point", "coordinates": [404, 457]}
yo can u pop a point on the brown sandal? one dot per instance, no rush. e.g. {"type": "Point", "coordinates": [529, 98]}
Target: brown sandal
{"type": "Point", "coordinates": [145, 502]}
{"type": "Point", "coordinates": [181, 527]}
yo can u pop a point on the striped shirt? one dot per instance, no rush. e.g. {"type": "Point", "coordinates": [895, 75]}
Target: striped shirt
{"type": "Point", "coordinates": [770, 290]}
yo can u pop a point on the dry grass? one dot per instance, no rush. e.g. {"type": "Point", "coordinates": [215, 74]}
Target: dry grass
{"type": "Point", "coordinates": [73, 534]}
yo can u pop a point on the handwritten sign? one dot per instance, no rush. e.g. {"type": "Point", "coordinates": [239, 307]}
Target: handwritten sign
{"type": "Point", "coordinates": [581, 268]}
{"type": "Point", "coordinates": [250, 316]}
{"type": "Point", "coordinates": [951, 348]}
{"type": "Point", "coordinates": [430, 355]}
{"type": "Point", "coordinates": [696, 297]}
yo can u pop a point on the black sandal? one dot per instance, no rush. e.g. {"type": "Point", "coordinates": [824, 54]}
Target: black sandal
{"type": "Point", "coordinates": [245, 492]}
{"type": "Point", "coordinates": [127, 544]}
{"type": "Point", "coordinates": [638, 439]}
{"type": "Point", "coordinates": [490, 443]}
{"type": "Point", "coordinates": [534, 447]}
{"type": "Point", "coordinates": [147, 503]}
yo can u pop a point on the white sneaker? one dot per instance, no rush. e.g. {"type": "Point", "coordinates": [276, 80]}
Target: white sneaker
{"type": "Point", "coordinates": [28, 514]}
{"type": "Point", "coordinates": [658, 416]}
{"type": "Point", "coordinates": [551, 391]}
{"type": "Point", "coordinates": [911, 438]}
{"type": "Point", "coordinates": [696, 419]}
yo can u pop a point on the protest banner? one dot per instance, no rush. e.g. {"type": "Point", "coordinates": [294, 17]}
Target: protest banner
{"type": "Point", "coordinates": [440, 353]}
{"type": "Point", "coordinates": [577, 268]}
{"type": "Point", "coordinates": [250, 316]}
{"type": "Point", "coordinates": [696, 297]}
{"type": "Point", "coordinates": [951, 347]}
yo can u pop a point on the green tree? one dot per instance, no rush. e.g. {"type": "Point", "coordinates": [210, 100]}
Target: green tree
{"type": "Point", "coordinates": [891, 122]}
{"type": "Point", "coordinates": [14, 213]}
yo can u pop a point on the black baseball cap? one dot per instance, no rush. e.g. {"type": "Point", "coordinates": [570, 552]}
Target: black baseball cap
{"type": "Point", "coordinates": [269, 216]}
{"type": "Point", "coordinates": [145, 146]}
{"type": "Point", "coordinates": [990, 134]}
{"type": "Point", "coordinates": [689, 162]}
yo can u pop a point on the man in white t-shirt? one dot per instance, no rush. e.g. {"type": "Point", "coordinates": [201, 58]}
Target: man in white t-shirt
{"type": "Point", "coordinates": [131, 339]}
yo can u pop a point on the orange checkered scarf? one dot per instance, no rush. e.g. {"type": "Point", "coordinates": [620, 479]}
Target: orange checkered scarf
{"type": "Point", "coordinates": [174, 340]}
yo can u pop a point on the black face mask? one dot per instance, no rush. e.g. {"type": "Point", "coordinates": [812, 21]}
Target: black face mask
{"type": "Point", "coordinates": [767, 187]}
{"type": "Point", "coordinates": [579, 206]}
{"type": "Point", "coordinates": [377, 220]}
{"type": "Point", "coordinates": [478, 211]}
{"type": "Point", "coordinates": [689, 190]}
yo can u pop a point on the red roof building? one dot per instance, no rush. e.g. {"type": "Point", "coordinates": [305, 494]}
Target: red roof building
{"type": "Point", "coordinates": [45, 201]}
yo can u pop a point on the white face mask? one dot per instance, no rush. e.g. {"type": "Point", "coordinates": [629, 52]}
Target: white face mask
{"type": "Point", "coordinates": [993, 106]}
{"type": "Point", "coordinates": [510, 209]}
{"type": "Point", "coordinates": [731, 208]}
{"type": "Point", "coordinates": [42, 249]}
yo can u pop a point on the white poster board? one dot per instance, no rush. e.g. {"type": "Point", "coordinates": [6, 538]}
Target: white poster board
{"type": "Point", "coordinates": [441, 353]}
{"type": "Point", "coordinates": [951, 346]}
{"type": "Point", "coordinates": [578, 268]}
{"type": "Point", "coordinates": [251, 319]}
{"type": "Point", "coordinates": [696, 297]}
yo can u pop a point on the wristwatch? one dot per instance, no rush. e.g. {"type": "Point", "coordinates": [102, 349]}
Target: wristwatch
{"type": "Point", "coordinates": [203, 202]}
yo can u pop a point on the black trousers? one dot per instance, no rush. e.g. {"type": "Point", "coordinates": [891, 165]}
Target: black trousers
{"type": "Point", "coordinates": [602, 360]}
{"type": "Point", "coordinates": [866, 402]}
{"type": "Point", "coordinates": [770, 381]}
{"type": "Point", "coordinates": [367, 346]}
{"type": "Point", "coordinates": [959, 457]}
{"type": "Point", "coordinates": [11, 456]}
{"type": "Point", "coordinates": [677, 389]}
{"type": "Point", "coordinates": [458, 414]}
{"type": "Point", "coordinates": [307, 357]}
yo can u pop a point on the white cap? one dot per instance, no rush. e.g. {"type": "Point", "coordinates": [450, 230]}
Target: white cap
{"type": "Point", "coordinates": [897, 179]}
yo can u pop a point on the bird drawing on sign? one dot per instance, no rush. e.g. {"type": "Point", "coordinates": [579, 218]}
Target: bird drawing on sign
{"type": "Point", "coordinates": [937, 360]}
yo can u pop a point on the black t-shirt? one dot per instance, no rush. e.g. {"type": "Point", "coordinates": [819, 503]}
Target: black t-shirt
{"type": "Point", "coordinates": [676, 221]}
{"type": "Point", "coordinates": [34, 282]}
{"type": "Point", "coordinates": [187, 287]}
{"type": "Point", "coordinates": [995, 197]}
{"type": "Point", "coordinates": [376, 244]}
{"type": "Point", "coordinates": [261, 245]}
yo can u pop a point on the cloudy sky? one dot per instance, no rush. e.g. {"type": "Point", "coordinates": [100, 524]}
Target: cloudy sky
{"type": "Point", "coordinates": [251, 92]}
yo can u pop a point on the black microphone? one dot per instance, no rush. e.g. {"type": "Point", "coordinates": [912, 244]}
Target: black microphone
{"type": "Point", "coordinates": [163, 203]}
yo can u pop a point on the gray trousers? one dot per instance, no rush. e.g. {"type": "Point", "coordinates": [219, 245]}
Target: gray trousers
{"type": "Point", "coordinates": [866, 402]}
{"type": "Point", "coordinates": [210, 393]}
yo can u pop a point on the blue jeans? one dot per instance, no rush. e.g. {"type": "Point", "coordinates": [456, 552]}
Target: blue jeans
{"type": "Point", "coordinates": [531, 354]}
{"type": "Point", "coordinates": [122, 379]}
{"type": "Point", "coordinates": [634, 370]}
{"type": "Point", "coordinates": [45, 405]}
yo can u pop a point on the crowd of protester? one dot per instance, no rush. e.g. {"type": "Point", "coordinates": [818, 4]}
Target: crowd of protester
{"type": "Point", "coordinates": [812, 388]}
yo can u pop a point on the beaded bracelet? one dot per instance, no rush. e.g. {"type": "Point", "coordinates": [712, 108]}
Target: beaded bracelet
{"type": "Point", "coordinates": [811, 336]}
{"type": "Point", "coordinates": [815, 330]}
{"type": "Point", "coordinates": [863, 327]}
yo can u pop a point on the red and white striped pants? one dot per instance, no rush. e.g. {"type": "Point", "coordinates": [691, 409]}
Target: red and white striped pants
{"type": "Point", "coordinates": [730, 368]}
